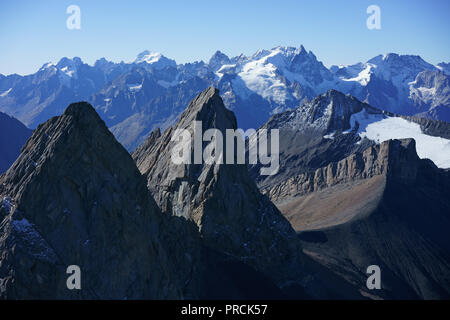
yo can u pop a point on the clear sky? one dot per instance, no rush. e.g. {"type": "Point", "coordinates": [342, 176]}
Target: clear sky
{"type": "Point", "coordinates": [33, 32]}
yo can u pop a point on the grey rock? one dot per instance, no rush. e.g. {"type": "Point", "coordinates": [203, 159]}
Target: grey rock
{"type": "Point", "coordinates": [384, 207]}
{"type": "Point", "coordinates": [232, 216]}
{"type": "Point", "coordinates": [76, 197]}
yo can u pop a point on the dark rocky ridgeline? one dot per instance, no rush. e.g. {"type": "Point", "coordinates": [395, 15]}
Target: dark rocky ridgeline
{"type": "Point", "coordinates": [13, 135]}
{"type": "Point", "coordinates": [384, 207]}
{"type": "Point", "coordinates": [232, 216]}
{"type": "Point", "coordinates": [75, 197]}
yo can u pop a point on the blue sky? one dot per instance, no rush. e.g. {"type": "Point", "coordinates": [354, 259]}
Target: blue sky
{"type": "Point", "coordinates": [34, 32]}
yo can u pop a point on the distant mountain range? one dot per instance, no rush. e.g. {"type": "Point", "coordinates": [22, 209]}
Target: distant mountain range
{"type": "Point", "coordinates": [135, 98]}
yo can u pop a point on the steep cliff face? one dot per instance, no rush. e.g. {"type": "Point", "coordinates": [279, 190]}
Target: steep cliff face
{"type": "Point", "coordinates": [380, 159]}
{"type": "Point", "coordinates": [384, 206]}
{"type": "Point", "coordinates": [75, 197]}
{"type": "Point", "coordinates": [13, 135]}
{"type": "Point", "coordinates": [232, 216]}
{"type": "Point", "coordinates": [315, 134]}
{"type": "Point", "coordinates": [334, 126]}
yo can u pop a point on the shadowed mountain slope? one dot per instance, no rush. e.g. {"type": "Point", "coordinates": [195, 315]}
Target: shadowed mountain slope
{"type": "Point", "coordinates": [75, 197]}
{"type": "Point", "coordinates": [221, 199]}
{"type": "Point", "coordinates": [384, 207]}
{"type": "Point", "coordinates": [13, 135]}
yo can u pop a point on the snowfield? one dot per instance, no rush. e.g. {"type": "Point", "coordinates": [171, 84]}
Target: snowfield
{"type": "Point", "coordinates": [260, 77]}
{"type": "Point", "coordinates": [379, 128]}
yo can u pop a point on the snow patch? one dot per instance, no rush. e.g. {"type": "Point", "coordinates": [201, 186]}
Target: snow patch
{"type": "Point", "coordinates": [6, 205]}
{"type": "Point", "coordinates": [134, 87]}
{"type": "Point", "coordinates": [149, 57]}
{"type": "Point", "coordinates": [425, 94]}
{"type": "Point", "coordinates": [379, 128]}
{"type": "Point", "coordinates": [260, 77]}
{"type": "Point", "coordinates": [5, 93]}
{"type": "Point", "coordinates": [363, 77]}
{"type": "Point", "coordinates": [69, 72]}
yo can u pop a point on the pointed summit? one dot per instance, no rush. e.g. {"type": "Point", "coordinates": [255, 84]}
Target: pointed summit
{"type": "Point", "coordinates": [230, 213]}
{"type": "Point", "coordinates": [218, 60]}
{"type": "Point", "coordinates": [154, 60]}
{"type": "Point", "coordinates": [302, 49]}
{"type": "Point", "coordinates": [75, 197]}
{"type": "Point", "coordinates": [208, 107]}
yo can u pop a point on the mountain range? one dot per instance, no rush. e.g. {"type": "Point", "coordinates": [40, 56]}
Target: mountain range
{"type": "Point", "coordinates": [75, 196]}
{"type": "Point", "coordinates": [152, 91]}
{"type": "Point", "coordinates": [362, 179]}
{"type": "Point", "coordinates": [141, 227]}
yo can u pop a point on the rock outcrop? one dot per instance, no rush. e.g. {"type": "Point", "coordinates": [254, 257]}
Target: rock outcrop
{"type": "Point", "coordinates": [232, 216]}
{"type": "Point", "coordinates": [75, 197]}
{"type": "Point", "coordinates": [313, 135]}
{"type": "Point", "coordinates": [381, 159]}
{"type": "Point", "coordinates": [385, 207]}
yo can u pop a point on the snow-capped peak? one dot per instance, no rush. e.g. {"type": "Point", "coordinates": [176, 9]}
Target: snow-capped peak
{"type": "Point", "coordinates": [148, 56]}
{"type": "Point", "coordinates": [70, 63]}
{"type": "Point", "coordinates": [69, 67]}
{"type": "Point", "coordinates": [47, 66]}
{"type": "Point", "coordinates": [391, 64]}
{"type": "Point", "coordinates": [155, 59]}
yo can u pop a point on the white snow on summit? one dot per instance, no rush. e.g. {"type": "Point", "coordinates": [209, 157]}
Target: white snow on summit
{"type": "Point", "coordinates": [362, 77]}
{"type": "Point", "coordinates": [260, 77]}
{"type": "Point", "coordinates": [263, 72]}
{"type": "Point", "coordinates": [69, 72]}
{"type": "Point", "coordinates": [149, 57]}
{"type": "Point", "coordinates": [134, 87]}
{"type": "Point", "coordinates": [155, 59]}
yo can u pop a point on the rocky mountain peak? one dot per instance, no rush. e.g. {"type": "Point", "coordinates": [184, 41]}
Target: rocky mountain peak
{"type": "Point", "coordinates": [79, 193]}
{"type": "Point", "coordinates": [208, 107]}
{"type": "Point", "coordinates": [217, 60]}
{"type": "Point", "coordinates": [231, 215]}
{"type": "Point", "coordinates": [82, 113]}
{"type": "Point", "coordinates": [154, 60]}
{"type": "Point", "coordinates": [326, 113]}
